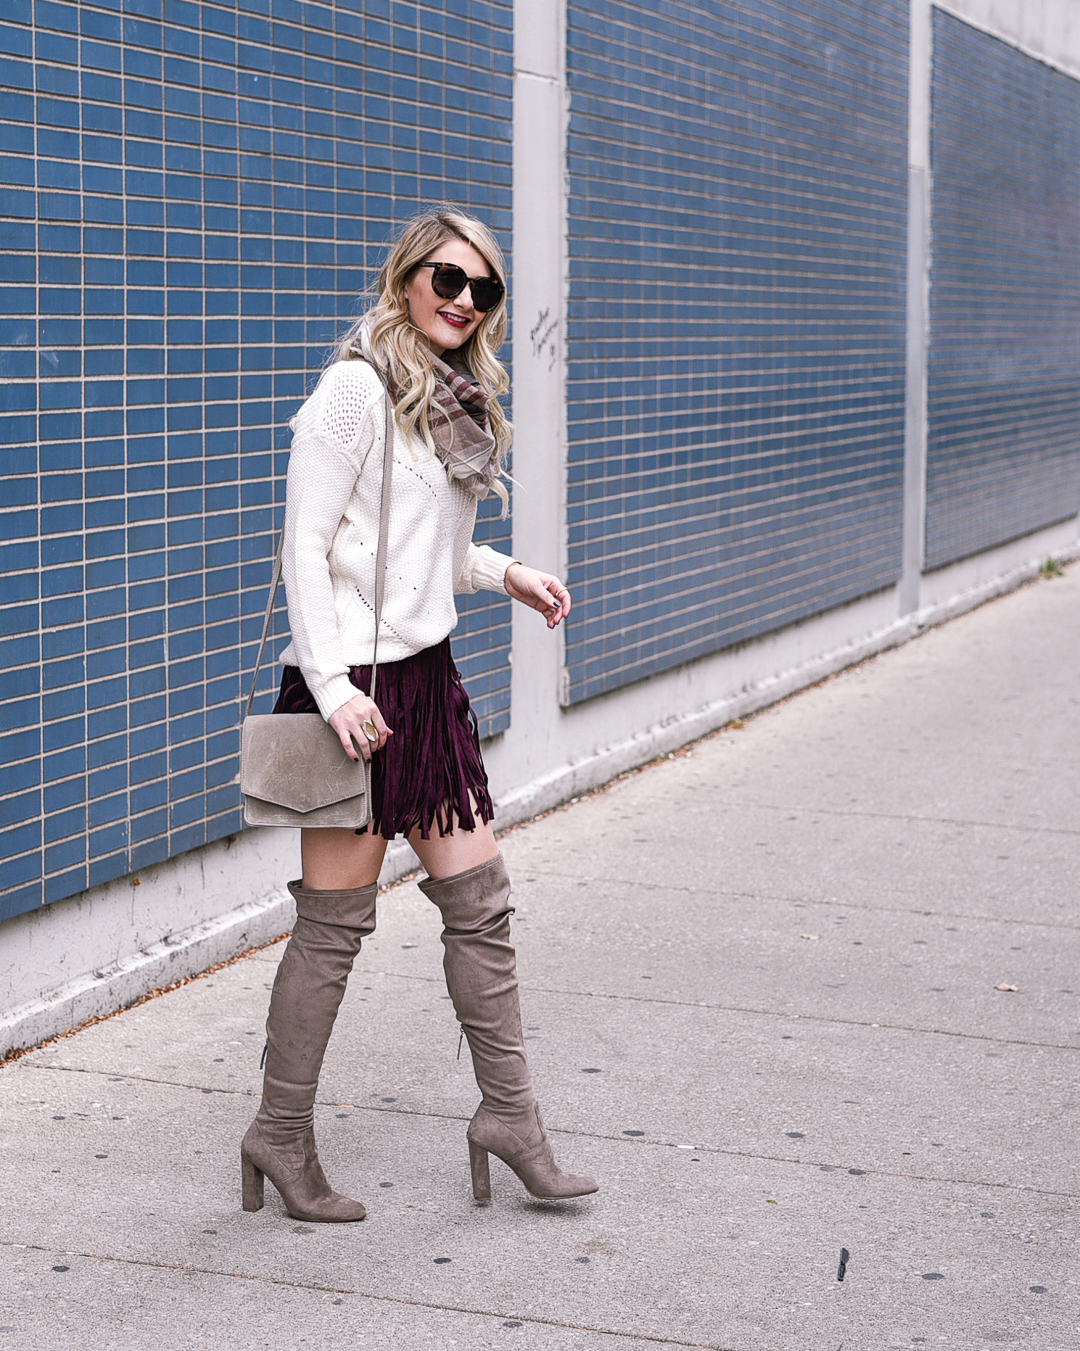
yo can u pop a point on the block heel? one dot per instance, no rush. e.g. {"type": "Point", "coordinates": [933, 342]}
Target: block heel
{"type": "Point", "coordinates": [251, 1179]}
{"type": "Point", "coordinates": [524, 1147]}
{"type": "Point", "coordinates": [481, 1175]}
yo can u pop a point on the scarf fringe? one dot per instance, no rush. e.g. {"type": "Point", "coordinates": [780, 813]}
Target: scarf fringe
{"type": "Point", "coordinates": [462, 432]}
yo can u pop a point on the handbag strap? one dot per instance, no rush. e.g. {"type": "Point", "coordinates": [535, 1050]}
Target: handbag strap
{"type": "Point", "coordinates": [380, 556]}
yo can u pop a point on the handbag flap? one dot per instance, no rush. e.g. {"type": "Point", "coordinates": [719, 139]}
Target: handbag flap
{"type": "Point", "coordinates": [297, 761]}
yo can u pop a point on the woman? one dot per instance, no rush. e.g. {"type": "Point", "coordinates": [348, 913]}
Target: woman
{"type": "Point", "coordinates": [440, 317]}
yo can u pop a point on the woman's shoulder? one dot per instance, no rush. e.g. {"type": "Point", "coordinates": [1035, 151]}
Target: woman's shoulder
{"type": "Point", "coordinates": [353, 377]}
{"type": "Point", "coordinates": [341, 402]}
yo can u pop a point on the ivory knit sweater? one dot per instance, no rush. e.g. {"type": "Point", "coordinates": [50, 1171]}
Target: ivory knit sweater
{"type": "Point", "coordinates": [332, 534]}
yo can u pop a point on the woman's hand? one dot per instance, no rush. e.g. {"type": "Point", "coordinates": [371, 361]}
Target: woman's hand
{"type": "Point", "coordinates": [539, 590]}
{"type": "Point", "coordinates": [348, 722]}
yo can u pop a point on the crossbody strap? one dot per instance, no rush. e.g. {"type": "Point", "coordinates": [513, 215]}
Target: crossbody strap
{"type": "Point", "coordinates": [384, 524]}
{"type": "Point", "coordinates": [380, 556]}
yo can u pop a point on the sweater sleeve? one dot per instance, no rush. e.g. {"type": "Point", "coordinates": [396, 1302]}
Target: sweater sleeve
{"type": "Point", "coordinates": [332, 435]}
{"type": "Point", "coordinates": [484, 568]}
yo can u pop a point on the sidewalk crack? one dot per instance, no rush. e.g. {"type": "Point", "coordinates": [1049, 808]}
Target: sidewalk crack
{"type": "Point", "coordinates": [827, 1019]}
{"type": "Point", "coordinates": [151, 1265]}
{"type": "Point", "coordinates": [832, 902]}
{"type": "Point", "coordinates": [579, 1134]}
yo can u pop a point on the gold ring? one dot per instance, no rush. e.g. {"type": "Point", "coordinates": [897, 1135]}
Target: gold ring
{"type": "Point", "coordinates": [370, 730]}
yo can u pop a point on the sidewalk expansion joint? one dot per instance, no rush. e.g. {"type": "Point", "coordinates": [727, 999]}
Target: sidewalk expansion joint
{"type": "Point", "coordinates": [896, 816]}
{"type": "Point", "coordinates": [142, 1079]}
{"type": "Point", "coordinates": [996, 1184]}
{"type": "Point", "coordinates": [148, 1264]}
{"type": "Point", "coordinates": [766, 1013]}
{"type": "Point", "coordinates": [806, 901]}
{"type": "Point", "coordinates": [578, 1134]}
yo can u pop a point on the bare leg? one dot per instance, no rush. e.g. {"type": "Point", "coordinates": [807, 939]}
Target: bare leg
{"type": "Point", "coordinates": [445, 855]}
{"type": "Point", "coordinates": [336, 860]}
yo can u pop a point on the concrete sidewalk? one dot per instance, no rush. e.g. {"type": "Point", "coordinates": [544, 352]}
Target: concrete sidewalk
{"type": "Point", "coordinates": [763, 982]}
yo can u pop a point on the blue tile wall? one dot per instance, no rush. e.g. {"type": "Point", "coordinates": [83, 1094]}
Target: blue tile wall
{"type": "Point", "coordinates": [736, 339]}
{"type": "Point", "coordinates": [193, 195]}
{"type": "Point", "coordinates": [1004, 370]}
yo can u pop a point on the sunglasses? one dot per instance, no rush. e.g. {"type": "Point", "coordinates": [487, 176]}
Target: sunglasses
{"type": "Point", "coordinates": [448, 280]}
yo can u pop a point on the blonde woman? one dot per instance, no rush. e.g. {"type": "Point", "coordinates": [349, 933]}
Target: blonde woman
{"type": "Point", "coordinates": [434, 334]}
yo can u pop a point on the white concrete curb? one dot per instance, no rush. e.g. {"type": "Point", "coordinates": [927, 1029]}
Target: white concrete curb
{"type": "Point", "coordinates": [590, 771]}
{"type": "Point", "coordinates": [260, 855]}
{"type": "Point", "coordinates": [103, 991]}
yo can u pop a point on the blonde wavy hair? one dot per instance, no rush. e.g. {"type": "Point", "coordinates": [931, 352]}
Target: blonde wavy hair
{"type": "Point", "coordinates": [402, 347]}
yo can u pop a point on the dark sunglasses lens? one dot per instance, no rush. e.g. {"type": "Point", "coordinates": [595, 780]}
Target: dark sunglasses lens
{"type": "Point", "coordinates": [486, 293]}
{"type": "Point", "coordinates": [448, 280]}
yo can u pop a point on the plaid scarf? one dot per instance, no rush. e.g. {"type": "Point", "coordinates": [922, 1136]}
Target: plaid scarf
{"type": "Point", "coordinates": [460, 427]}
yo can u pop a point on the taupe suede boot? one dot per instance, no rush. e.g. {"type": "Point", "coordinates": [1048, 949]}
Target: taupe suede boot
{"type": "Point", "coordinates": [481, 976]}
{"type": "Point", "coordinates": [308, 987]}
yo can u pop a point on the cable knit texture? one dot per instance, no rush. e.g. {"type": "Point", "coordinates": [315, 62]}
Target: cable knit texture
{"type": "Point", "coordinates": [332, 534]}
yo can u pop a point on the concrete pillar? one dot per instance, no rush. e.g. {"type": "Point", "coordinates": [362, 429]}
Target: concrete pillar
{"type": "Point", "coordinates": [539, 295]}
{"type": "Point", "coordinates": [918, 302]}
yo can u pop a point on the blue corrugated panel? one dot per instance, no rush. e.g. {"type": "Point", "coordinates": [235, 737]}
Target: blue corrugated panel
{"type": "Point", "coordinates": [736, 339]}
{"type": "Point", "coordinates": [1004, 371]}
{"type": "Point", "coordinates": [202, 228]}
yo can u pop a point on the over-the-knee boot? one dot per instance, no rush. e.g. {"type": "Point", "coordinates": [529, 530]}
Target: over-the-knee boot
{"type": "Point", "coordinates": [481, 976]}
{"type": "Point", "coordinates": [308, 987]}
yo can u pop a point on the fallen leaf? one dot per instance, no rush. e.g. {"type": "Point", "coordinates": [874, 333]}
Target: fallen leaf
{"type": "Point", "coordinates": [812, 937]}
{"type": "Point", "coordinates": [1009, 989]}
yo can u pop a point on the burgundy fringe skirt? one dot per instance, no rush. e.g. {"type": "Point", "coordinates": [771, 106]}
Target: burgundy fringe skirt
{"type": "Point", "coordinates": [430, 772]}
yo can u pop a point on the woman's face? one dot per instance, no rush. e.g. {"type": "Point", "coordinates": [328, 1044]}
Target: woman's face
{"type": "Point", "coordinates": [446, 324]}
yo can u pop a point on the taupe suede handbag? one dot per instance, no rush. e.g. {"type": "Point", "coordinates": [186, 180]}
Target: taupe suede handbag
{"type": "Point", "coordinates": [293, 767]}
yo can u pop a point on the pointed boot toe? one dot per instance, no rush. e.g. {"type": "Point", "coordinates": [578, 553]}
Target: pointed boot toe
{"type": "Point", "coordinates": [524, 1147]}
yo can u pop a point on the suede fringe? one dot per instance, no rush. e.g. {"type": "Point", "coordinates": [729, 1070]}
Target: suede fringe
{"type": "Point", "coordinates": [430, 773]}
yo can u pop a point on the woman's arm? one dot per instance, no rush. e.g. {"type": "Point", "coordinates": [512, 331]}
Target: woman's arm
{"type": "Point", "coordinates": [319, 485]}
{"type": "Point", "coordinates": [539, 590]}
{"type": "Point", "coordinates": [333, 433]}
{"type": "Point", "coordinates": [485, 568]}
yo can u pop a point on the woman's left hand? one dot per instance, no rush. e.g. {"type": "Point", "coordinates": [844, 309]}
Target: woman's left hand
{"type": "Point", "coordinates": [539, 590]}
